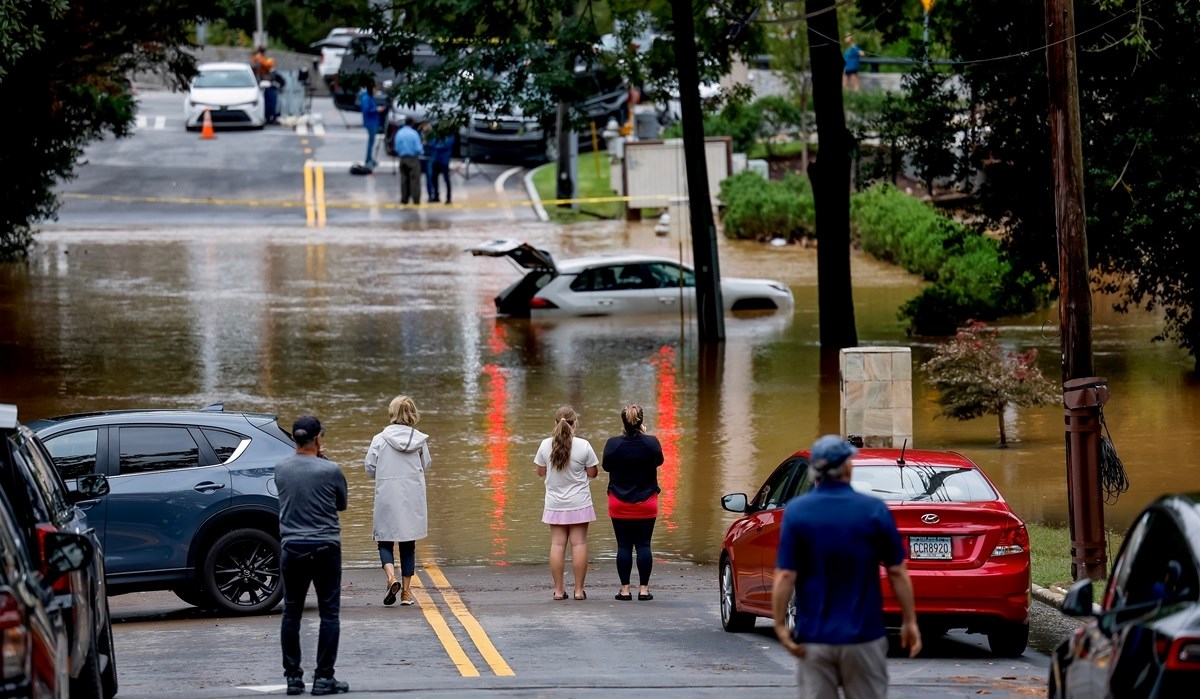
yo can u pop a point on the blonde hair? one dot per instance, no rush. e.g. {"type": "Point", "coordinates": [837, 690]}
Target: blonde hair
{"type": "Point", "coordinates": [564, 435]}
{"type": "Point", "coordinates": [633, 418]}
{"type": "Point", "coordinates": [403, 411]}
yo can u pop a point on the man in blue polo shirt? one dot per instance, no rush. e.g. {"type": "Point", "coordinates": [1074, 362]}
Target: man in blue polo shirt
{"type": "Point", "coordinates": [831, 545]}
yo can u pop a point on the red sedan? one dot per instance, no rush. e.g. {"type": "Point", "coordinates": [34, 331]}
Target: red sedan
{"type": "Point", "coordinates": [968, 554]}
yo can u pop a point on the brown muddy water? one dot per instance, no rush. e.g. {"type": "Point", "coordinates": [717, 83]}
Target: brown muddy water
{"type": "Point", "coordinates": [338, 321]}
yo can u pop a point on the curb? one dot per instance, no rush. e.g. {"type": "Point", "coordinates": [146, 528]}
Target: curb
{"type": "Point", "coordinates": [1050, 596]}
{"type": "Point", "coordinates": [534, 197]}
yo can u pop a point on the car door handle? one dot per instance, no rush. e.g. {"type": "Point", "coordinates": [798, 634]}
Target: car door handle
{"type": "Point", "coordinates": [208, 487]}
{"type": "Point", "coordinates": [604, 302]}
{"type": "Point", "coordinates": [667, 300]}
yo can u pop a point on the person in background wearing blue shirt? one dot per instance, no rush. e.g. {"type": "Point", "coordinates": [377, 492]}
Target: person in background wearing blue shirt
{"type": "Point", "coordinates": [853, 58]}
{"type": "Point", "coordinates": [441, 148]}
{"type": "Point", "coordinates": [409, 149]}
{"type": "Point", "coordinates": [831, 545]}
{"type": "Point", "coordinates": [371, 115]}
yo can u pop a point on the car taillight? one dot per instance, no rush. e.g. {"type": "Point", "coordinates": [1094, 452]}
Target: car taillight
{"type": "Point", "coordinates": [62, 586]}
{"type": "Point", "coordinates": [539, 302]}
{"type": "Point", "coordinates": [1013, 540]}
{"type": "Point", "coordinates": [14, 640]}
{"type": "Point", "coordinates": [1184, 654]}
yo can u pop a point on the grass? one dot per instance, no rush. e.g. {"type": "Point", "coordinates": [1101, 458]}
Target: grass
{"type": "Point", "coordinates": [786, 149]}
{"type": "Point", "coordinates": [1050, 553]}
{"type": "Point", "coordinates": [591, 184]}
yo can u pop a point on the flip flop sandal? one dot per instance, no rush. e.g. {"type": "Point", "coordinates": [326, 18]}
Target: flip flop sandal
{"type": "Point", "coordinates": [581, 596]}
{"type": "Point", "coordinates": [556, 598]}
{"type": "Point", "coordinates": [623, 598]}
{"type": "Point", "coordinates": [646, 597]}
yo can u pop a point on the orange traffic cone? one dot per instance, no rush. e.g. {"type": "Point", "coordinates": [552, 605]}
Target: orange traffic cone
{"type": "Point", "coordinates": [207, 130]}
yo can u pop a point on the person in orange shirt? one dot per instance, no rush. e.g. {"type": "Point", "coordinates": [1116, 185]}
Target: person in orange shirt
{"type": "Point", "coordinates": [262, 64]}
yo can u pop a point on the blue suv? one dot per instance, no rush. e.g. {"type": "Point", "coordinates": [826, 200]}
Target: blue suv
{"type": "Point", "coordinates": [192, 505]}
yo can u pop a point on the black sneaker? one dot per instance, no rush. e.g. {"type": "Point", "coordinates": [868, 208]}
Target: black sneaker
{"type": "Point", "coordinates": [329, 685]}
{"type": "Point", "coordinates": [295, 685]}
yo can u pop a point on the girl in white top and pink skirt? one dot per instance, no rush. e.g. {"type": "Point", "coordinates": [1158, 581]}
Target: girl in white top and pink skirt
{"type": "Point", "coordinates": [568, 464]}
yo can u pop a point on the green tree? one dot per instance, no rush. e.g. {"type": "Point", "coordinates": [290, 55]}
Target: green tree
{"type": "Point", "coordinates": [522, 57]}
{"type": "Point", "coordinates": [927, 129]}
{"type": "Point", "coordinates": [64, 84]}
{"type": "Point", "coordinates": [1140, 112]}
{"type": "Point", "coordinates": [975, 376]}
{"type": "Point", "coordinates": [294, 24]}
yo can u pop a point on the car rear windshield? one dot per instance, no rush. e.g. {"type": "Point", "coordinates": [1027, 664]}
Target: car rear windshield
{"type": "Point", "coordinates": [913, 483]}
{"type": "Point", "coordinates": [225, 78]}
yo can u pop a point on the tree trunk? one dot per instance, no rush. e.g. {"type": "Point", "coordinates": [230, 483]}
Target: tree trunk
{"type": "Point", "coordinates": [1003, 434]}
{"type": "Point", "coordinates": [830, 176]}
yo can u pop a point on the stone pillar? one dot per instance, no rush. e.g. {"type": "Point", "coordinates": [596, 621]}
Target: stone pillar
{"type": "Point", "coordinates": [876, 392]}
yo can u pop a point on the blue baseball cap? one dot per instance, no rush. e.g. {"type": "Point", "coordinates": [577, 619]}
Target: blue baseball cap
{"type": "Point", "coordinates": [830, 451]}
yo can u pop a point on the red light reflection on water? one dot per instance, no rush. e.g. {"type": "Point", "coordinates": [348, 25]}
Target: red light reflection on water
{"type": "Point", "coordinates": [497, 445]}
{"type": "Point", "coordinates": [667, 433]}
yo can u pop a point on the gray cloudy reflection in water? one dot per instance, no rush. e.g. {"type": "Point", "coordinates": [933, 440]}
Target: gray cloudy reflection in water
{"type": "Point", "coordinates": [338, 321]}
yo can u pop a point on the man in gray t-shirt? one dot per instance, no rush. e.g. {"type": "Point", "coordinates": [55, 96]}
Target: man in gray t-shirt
{"type": "Point", "coordinates": [312, 490]}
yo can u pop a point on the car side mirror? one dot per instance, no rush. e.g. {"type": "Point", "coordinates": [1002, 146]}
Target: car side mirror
{"type": "Point", "coordinates": [735, 502]}
{"type": "Point", "coordinates": [1079, 599]}
{"type": "Point", "coordinates": [65, 552]}
{"type": "Point", "coordinates": [88, 487]}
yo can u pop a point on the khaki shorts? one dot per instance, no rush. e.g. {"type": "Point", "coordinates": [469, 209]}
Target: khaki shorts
{"type": "Point", "coordinates": [859, 668]}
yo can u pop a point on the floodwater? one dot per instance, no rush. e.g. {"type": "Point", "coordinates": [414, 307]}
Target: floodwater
{"type": "Point", "coordinates": [338, 321]}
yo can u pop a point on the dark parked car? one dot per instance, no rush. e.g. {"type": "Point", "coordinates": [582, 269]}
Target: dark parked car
{"type": "Point", "coordinates": [517, 138]}
{"type": "Point", "coordinates": [42, 506]}
{"type": "Point", "coordinates": [33, 638]}
{"type": "Point", "coordinates": [1145, 639]}
{"type": "Point", "coordinates": [192, 505]}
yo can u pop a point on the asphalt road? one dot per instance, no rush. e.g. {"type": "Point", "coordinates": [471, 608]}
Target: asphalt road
{"type": "Point", "coordinates": [164, 175]}
{"type": "Point", "coordinates": [495, 631]}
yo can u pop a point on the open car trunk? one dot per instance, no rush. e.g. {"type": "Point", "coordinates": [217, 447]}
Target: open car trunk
{"type": "Point", "coordinates": [514, 300]}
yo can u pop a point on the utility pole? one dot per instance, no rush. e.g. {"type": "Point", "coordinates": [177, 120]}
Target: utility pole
{"type": "Point", "coordinates": [710, 308]}
{"type": "Point", "coordinates": [830, 176]}
{"type": "Point", "coordinates": [565, 185]}
{"type": "Point", "coordinates": [1083, 393]}
{"type": "Point", "coordinates": [260, 36]}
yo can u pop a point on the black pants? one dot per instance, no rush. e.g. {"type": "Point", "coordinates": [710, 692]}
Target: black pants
{"type": "Point", "coordinates": [634, 533]}
{"type": "Point", "coordinates": [318, 563]}
{"type": "Point", "coordinates": [439, 170]}
{"type": "Point", "coordinates": [408, 556]}
{"type": "Point", "coordinates": [410, 180]}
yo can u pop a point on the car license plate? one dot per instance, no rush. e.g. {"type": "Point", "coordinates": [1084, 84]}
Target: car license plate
{"type": "Point", "coordinates": [935, 548]}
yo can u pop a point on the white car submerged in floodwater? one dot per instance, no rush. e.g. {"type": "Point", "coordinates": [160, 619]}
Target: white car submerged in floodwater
{"type": "Point", "coordinates": [619, 284]}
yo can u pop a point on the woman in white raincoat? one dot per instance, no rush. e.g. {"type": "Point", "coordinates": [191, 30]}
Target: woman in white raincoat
{"type": "Point", "coordinates": [397, 460]}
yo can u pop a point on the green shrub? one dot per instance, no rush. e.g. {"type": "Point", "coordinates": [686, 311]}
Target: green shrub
{"type": "Point", "coordinates": [759, 209]}
{"type": "Point", "coordinates": [971, 277]}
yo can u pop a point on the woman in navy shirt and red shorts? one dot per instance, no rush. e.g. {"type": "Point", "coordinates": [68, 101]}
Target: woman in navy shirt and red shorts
{"type": "Point", "coordinates": [632, 460]}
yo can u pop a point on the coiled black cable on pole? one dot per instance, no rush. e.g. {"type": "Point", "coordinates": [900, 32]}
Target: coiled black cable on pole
{"type": "Point", "coordinates": [1113, 479]}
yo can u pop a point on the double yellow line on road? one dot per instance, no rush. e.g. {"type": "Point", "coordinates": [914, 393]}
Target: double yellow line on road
{"type": "Point", "coordinates": [433, 615]}
{"type": "Point", "coordinates": [314, 194]}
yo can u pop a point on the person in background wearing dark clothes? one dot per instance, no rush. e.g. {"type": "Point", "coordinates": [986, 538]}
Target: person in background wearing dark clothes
{"type": "Point", "coordinates": [371, 115]}
{"type": "Point", "coordinates": [632, 460]}
{"type": "Point", "coordinates": [312, 490]}
{"type": "Point", "coordinates": [441, 148]}
{"type": "Point", "coordinates": [831, 545]}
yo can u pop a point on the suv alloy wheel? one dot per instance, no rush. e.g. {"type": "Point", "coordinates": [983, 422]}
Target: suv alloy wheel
{"type": "Point", "coordinates": [241, 572]}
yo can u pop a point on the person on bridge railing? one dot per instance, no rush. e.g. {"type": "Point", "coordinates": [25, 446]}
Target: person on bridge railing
{"type": "Point", "coordinates": [853, 57]}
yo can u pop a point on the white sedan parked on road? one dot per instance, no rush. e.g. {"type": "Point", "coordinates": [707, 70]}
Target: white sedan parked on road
{"type": "Point", "coordinates": [229, 92]}
{"type": "Point", "coordinates": [624, 284]}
